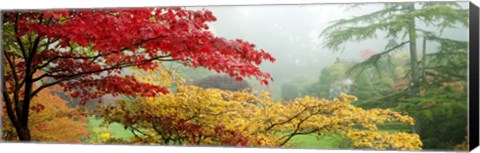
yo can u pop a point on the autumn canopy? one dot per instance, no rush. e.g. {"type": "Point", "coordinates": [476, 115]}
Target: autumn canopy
{"type": "Point", "coordinates": [53, 58]}
{"type": "Point", "coordinates": [84, 51]}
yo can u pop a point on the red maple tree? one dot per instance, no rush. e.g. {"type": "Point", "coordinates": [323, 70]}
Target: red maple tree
{"type": "Point", "coordinates": [86, 51]}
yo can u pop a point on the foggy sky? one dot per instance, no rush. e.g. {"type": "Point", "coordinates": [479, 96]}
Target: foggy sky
{"type": "Point", "coordinates": [291, 34]}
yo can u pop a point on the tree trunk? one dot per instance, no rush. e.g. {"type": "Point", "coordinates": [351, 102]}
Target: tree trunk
{"type": "Point", "coordinates": [424, 58]}
{"type": "Point", "coordinates": [413, 61]}
{"type": "Point", "coordinates": [22, 130]}
{"type": "Point", "coordinates": [413, 54]}
{"type": "Point", "coordinates": [24, 134]}
{"type": "Point", "coordinates": [18, 110]}
{"type": "Point", "coordinates": [20, 124]}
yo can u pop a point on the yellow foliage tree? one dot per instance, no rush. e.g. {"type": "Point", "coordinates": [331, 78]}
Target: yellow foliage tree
{"type": "Point", "coordinates": [195, 116]}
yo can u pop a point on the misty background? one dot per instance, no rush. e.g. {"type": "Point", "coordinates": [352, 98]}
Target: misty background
{"type": "Point", "coordinates": [291, 33]}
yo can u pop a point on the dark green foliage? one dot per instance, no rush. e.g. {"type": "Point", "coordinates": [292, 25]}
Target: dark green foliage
{"type": "Point", "coordinates": [441, 117]}
{"type": "Point", "coordinates": [394, 125]}
{"type": "Point", "coordinates": [372, 84]}
{"type": "Point", "coordinates": [441, 109]}
{"type": "Point", "coordinates": [222, 82]}
{"type": "Point", "coordinates": [450, 63]}
{"type": "Point", "coordinates": [435, 90]}
{"type": "Point", "coordinates": [363, 88]}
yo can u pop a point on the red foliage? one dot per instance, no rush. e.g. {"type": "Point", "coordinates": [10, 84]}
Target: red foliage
{"type": "Point", "coordinates": [230, 137]}
{"type": "Point", "coordinates": [120, 38]}
{"type": "Point", "coordinates": [367, 53]}
{"type": "Point", "coordinates": [186, 130]}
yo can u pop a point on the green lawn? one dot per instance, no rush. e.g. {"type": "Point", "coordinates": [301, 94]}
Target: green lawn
{"type": "Point", "coordinates": [117, 130]}
{"type": "Point", "coordinates": [332, 141]}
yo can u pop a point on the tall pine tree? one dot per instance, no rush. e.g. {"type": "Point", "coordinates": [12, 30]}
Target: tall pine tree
{"type": "Point", "coordinates": [437, 82]}
{"type": "Point", "coordinates": [400, 21]}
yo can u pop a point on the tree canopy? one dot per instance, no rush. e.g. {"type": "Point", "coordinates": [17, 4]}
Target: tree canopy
{"type": "Point", "coordinates": [85, 51]}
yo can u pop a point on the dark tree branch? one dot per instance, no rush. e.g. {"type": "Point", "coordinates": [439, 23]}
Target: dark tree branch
{"type": "Point", "coordinates": [373, 59]}
{"type": "Point", "coordinates": [99, 55]}
{"type": "Point", "coordinates": [22, 48]}
{"type": "Point", "coordinates": [179, 138]}
{"type": "Point", "coordinates": [35, 68]}
{"type": "Point", "coordinates": [139, 131]}
{"type": "Point", "coordinates": [33, 53]}
{"type": "Point", "coordinates": [289, 120]}
{"type": "Point", "coordinates": [12, 66]}
{"type": "Point", "coordinates": [25, 104]}
{"type": "Point", "coordinates": [9, 106]}
{"type": "Point", "coordinates": [50, 73]}
{"type": "Point", "coordinates": [395, 47]}
{"type": "Point", "coordinates": [66, 57]}
{"type": "Point", "coordinates": [295, 131]}
{"type": "Point", "coordinates": [34, 47]}
{"type": "Point", "coordinates": [73, 76]}
{"type": "Point", "coordinates": [17, 85]}
{"type": "Point", "coordinates": [46, 45]}
{"type": "Point", "coordinates": [94, 58]}
{"type": "Point", "coordinates": [200, 137]}
{"type": "Point", "coordinates": [141, 42]}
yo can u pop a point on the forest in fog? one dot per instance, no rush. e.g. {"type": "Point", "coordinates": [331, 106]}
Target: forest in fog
{"type": "Point", "coordinates": [385, 76]}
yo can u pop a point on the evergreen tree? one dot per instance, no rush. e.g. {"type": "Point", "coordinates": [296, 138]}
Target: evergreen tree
{"type": "Point", "coordinates": [363, 87]}
{"type": "Point", "coordinates": [436, 82]}
{"type": "Point", "coordinates": [400, 21]}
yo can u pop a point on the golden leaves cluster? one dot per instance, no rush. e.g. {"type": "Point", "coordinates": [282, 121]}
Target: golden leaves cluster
{"type": "Point", "coordinates": [384, 140]}
{"type": "Point", "coordinates": [265, 122]}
